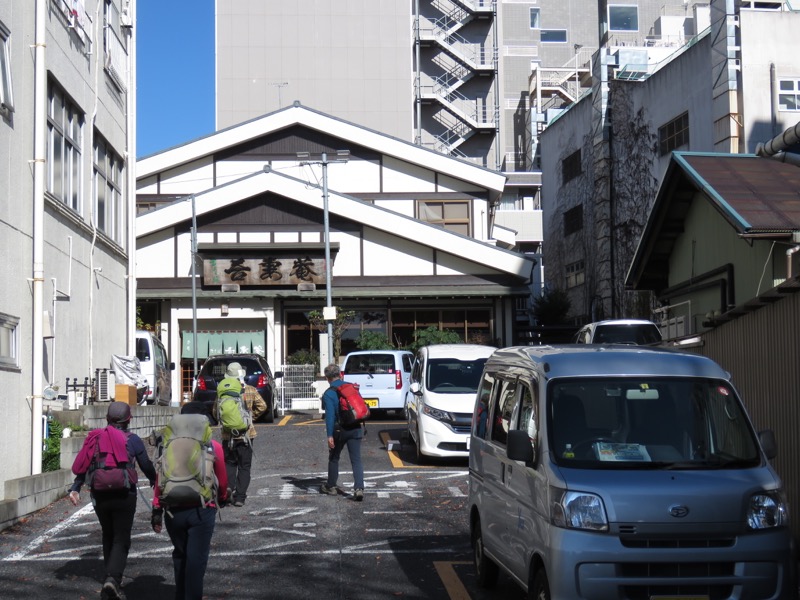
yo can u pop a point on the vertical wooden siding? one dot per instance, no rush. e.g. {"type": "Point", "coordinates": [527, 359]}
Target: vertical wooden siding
{"type": "Point", "coordinates": [761, 350]}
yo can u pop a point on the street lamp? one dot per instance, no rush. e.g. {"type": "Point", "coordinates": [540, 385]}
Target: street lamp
{"type": "Point", "coordinates": [329, 312]}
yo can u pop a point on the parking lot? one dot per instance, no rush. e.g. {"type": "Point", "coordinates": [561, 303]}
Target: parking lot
{"type": "Point", "coordinates": [408, 539]}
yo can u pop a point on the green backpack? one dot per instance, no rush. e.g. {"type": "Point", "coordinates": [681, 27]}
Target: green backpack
{"type": "Point", "coordinates": [232, 413]}
{"type": "Point", "coordinates": [185, 466]}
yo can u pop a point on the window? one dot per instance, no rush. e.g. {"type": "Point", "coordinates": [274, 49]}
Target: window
{"type": "Point", "coordinates": [9, 341]}
{"type": "Point", "coordinates": [511, 201]}
{"type": "Point", "coordinates": [503, 411]}
{"type": "Point", "coordinates": [535, 16]}
{"type": "Point", "coordinates": [553, 36]}
{"type": "Point", "coordinates": [114, 45]}
{"type": "Point", "coordinates": [789, 94]}
{"type": "Point", "coordinates": [571, 167]}
{"type": "Point", "coordinates": [623, 18]}
{"type": "Point", "coordinates": [6, 97]}
{"type": "Point", "coordinates": [451, 215]}
{"type": "Point", "coordinates": [481, 417]}
{"type": "Point", "coordinates": [64, 135]}
{"type": "Point", "coordinates": [107, 190]}
{"type": "Point", "coordinates": [575, 274]}
{"type": "Point", "coordinates": [573, 220]}
{"type": "Point", "coordinates": [674, 134]}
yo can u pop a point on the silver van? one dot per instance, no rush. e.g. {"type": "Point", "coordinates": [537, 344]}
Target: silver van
{"type": "Point", "coordinates": [623, 472]}
{"type": "Point", "coordinates": [156, 368]}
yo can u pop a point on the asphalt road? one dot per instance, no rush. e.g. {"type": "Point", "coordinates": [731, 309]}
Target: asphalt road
{"type": "Point", "coordinates": [409, 538]}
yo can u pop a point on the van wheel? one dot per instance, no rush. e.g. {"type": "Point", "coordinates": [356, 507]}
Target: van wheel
{"type": "Point", "coordinates": [271, 414]}
{"type": "Point", "coordinates": [486, 571]}
{"type": "Point", "coordinates": [540, 590]}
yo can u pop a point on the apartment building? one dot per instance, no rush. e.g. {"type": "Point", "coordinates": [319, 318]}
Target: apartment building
{"type": "Point", "coordinates": [603, 159]}
{"type": "Point", "coordinates": [66, 130]}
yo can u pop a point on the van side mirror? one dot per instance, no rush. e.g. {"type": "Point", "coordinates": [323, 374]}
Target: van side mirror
{"type": "Point", "coordinates": [172, 366]}
{"type": "Point", "coordinates": [768, 443]}
{"type": "Point", "coordinates": [414, 388]}
{"type": "Point", "coordinates": [519, 446]}
{"type": "Point", "coordinates": [277, 374]}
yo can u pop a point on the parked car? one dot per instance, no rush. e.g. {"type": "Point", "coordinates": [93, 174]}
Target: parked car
{"type": "Point", "coordinates": [257, 374]}
{"type": "Point", "coordinates": [382, 376]}
{"type": "Point", "coordinates": [619, 331]}
{"type": "Point", "coordinates": [155, 367]}
{"type": "Point", "coordinates": [441, 396]}
{"type": "Point", "coordinates": [626, 473]}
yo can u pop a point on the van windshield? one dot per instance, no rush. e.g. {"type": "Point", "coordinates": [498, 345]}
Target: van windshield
{"type": "Point", "coordinates": [453, 376]}
{"type": "Point", "coordinates": [649, 423]}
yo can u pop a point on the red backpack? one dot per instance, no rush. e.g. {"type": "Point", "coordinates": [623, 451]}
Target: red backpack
{"type": "Point", "coordinates": [352, 408]}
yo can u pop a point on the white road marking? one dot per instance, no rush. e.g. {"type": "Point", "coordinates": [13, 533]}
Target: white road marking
{"type": "Point", "coordinates": [20, 554]}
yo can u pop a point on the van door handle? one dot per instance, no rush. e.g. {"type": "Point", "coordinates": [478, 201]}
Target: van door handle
{"type": "Point", "coordinates": [508, 476]}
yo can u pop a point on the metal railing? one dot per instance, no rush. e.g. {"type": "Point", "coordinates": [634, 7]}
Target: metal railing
{"type": "Point", "coordinates": [295, 388]}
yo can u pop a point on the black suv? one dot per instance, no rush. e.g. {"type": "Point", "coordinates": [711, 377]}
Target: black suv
{"type": "Point", "coordinates": [257, 374]}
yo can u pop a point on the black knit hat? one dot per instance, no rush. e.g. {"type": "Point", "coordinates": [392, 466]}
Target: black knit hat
{"type": "Point", "coordinates": [118, 412]}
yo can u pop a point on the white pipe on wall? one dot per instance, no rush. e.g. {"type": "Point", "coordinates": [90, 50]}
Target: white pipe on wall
{"type": "Point", "coordinates": [39, 152]}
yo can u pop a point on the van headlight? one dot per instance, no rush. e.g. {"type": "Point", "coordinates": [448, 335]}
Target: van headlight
{"type": "Point", "coordinates": [578, 510]}
{"type": "Point", "coordinates": [435, 413]}
{"type": "Point", "coordinates": [767, 510]}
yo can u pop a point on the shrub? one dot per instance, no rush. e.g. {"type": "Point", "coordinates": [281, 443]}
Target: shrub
{"type": "Point", "coordinates": [372, 340]}
{"type": "Point", "coordinates": [51, 457]}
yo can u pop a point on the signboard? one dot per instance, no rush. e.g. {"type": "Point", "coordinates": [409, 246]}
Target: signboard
{"type": "Point", "coordinates": [265, 270]}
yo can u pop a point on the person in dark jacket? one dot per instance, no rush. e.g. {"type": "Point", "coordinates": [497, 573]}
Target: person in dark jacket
{"type": "Point", "coordinates": [114, 509]}
{"type": "Point", "coordinates": [339, 437]}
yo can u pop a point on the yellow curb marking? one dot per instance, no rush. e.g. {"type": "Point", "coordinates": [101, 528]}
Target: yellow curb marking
{"type": "Point", "coordinates": [452, 583]}
{"type": "Point", "coordinates": [284, 420]}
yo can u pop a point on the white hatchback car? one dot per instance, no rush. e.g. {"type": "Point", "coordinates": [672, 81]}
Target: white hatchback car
{"type": "Point", "coordinates": [439, 403]}
{"type": "Point", "coordinates": [382, 376]}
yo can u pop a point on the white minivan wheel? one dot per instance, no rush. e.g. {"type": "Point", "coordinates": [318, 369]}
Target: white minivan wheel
{"type": "Point", "coordinates": [540, 590]}
{"type": "Point", "coordinates": [486, 571]}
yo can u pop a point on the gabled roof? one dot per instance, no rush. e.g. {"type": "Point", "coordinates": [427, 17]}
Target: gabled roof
{"type": "Point", "coordinates": [757, 197]}
{"type": "Point", "coordinates": [269, 181]}
{"type": "Point", "coordinates": [300, 115]}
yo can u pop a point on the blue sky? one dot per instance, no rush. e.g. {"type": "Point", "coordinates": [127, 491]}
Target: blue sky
{"type": "Point", "coordinates": [175, 72]}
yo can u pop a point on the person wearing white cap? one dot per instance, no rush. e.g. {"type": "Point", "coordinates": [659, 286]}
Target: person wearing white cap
{"type": "Point", "coordinates": [239, 449]}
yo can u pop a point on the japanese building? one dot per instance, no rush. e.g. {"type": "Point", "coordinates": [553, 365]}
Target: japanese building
{"type": "Point", "coordinates": [413, 241]}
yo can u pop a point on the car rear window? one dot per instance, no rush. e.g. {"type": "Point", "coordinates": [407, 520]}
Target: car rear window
{"type": "Point", "coordinates": [627, 334]}
{"type": "Point", "coordinates": [216, 368]}
{"type": "Point", "coordinates": [362, 364]}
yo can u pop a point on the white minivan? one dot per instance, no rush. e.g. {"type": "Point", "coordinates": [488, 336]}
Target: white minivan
{"type": "Point", "coordinates": [441, 396]}
{"type": "Point", "coordinates": [155, 367]}
{"type": "Point", "coordinates": [623, 472]}
{"type": "Point", "coordinates": [381, 375]}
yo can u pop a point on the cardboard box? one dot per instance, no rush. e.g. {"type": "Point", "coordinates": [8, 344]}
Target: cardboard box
{"type": "Point", "coordinates": [125, 393]}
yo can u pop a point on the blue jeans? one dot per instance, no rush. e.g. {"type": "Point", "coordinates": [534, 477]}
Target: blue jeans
{"type": "Point", "coordinates": [352, 439]}
{"type": "Point", "coordinates": [190, 530]}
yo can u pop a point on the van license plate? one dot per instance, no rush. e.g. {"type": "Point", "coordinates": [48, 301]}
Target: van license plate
{"type": "Point", "coordinates": [679, 598]}
{"type": "Point", "coordinates": [371, 402]}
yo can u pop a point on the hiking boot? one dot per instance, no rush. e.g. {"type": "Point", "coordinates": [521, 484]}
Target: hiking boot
{"type": "Point", "coordinates": [326, 489]}
{"type": "Point", "coordinates": [111, 590]}
{"type": "Point", "coordinates": [358, 495]}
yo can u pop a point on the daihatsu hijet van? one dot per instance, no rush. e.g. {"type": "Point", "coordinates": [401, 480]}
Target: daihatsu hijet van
{"type": "Point", "coordinates": [156, 368]}
{"type": "Point", "coordinates": [629, 473]}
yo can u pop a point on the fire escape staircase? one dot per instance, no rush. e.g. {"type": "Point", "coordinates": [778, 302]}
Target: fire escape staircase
{"type": "Point", "coordinates": [462, 117]}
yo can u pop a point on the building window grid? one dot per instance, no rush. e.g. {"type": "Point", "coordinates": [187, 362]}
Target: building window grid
{"type": "Point", "coordinates": [573, 220]}
{"type": "Point", "coordinates": [789, 94]}
{"type": "Point", "coordinates": [575, 274]}
{"type": "Point", "coordinates": [64, 135]}
{"type": "Point", "coordinates": [6, 93]}
{"type": "Point", "coordinates": [452, 215]}
{"type": "Point", "coordinates": [674, 134]}
{"type": "Point", "coordinates": [9, 341]}
{"type": "Point", "coordinates": [536, 18]}
{"type": "Point", "coordinates": [107, 190]}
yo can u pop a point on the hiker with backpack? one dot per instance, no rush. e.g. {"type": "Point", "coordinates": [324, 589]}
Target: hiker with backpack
{"type": "Point", "coordinates": [106, 463]}
{"type": "Point", "coordinates": [191, 483]}
{"type": "Point", "coordinates": [344, 427]}
{"type": "Point", "coordinates": [238, 406]}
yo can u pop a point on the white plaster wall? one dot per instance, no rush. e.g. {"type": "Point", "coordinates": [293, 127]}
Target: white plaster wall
{"type": "Point", "coordinates": [231, 170]}
{"type": "Point", "coordinates": [155, 255]}
{"type": "Point", "coordinates": [394, 256]}
{"type": "Point", "coordinates": [404, 207]}
{"type": "Point", "coordinates": [450, 184]}
{"type": "Point", "coordinates": [356, 176]}
{"type": "Point", "coordinates": [452, 264]}
{"type": "Point", "coordinates": [147, 185]}
{"type": "Point", "coordinates": [399, 176]}
{"type": "Point", "coordinates": [191, 178]}
{"type": "Point", "coordinates": [348, 259]}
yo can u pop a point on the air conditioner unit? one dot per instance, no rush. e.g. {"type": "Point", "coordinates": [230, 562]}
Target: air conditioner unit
{"type": "Point", "coordinates": [106, 385]}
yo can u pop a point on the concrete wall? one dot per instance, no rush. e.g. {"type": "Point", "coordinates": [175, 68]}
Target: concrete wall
{"type": "Point", "coordinates": [26, 495]}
